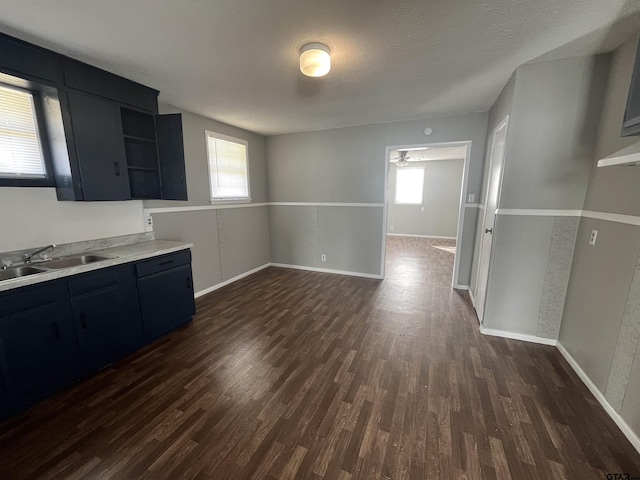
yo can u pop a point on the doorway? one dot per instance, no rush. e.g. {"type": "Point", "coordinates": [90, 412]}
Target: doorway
{"type": "Point", "coordinates": [425, 189]}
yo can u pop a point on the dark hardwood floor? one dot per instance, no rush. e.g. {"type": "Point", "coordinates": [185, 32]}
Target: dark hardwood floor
{"type": "Point", "coordinates": [290, 374]}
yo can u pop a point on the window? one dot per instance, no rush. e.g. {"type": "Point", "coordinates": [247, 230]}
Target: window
{"type": "Point", "coordinates": [228, 168]}
{"type": "Point", "coordinates": [409, 184]}
{"type": "Point", "coordinates": [21, 155]}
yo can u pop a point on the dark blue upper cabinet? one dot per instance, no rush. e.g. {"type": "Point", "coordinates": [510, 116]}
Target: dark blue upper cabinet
{"type": "Point", "coordinates": [87, 78]}
{"type": "Point", "coordinates": [86, 112]}
{"type": "Point", "coordinates": [99, 145]}
{"type": "Point", "coordinates": [29, 61]}
{"type": "Point", "coordinates": [171, 156]}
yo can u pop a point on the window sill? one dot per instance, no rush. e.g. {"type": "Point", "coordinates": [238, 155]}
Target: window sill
{"type": "Point", "coordinates": [230, 201]}
{"type": "Point", "coordinates": [408, 204]}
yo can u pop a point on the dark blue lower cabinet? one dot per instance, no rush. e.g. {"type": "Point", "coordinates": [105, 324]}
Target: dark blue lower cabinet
{"type": "Point", "coordinates": [106, 316]}
{"type": "Point", "coordinates": [54, 333]}
{"type": "Point", "coordinates": [166, 299]}
{"type": "Point", "coordinates": [39, 350]}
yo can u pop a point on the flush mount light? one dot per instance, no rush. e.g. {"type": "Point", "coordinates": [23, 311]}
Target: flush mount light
{"type": "Point", "coordinates": [315, 60]}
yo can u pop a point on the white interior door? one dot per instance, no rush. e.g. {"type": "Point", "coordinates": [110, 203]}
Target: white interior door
{"type": "Point", "coordinates": [498, 144]}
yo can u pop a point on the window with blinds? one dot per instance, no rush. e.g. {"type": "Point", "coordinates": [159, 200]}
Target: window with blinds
{"type": "Point", "coordinates": [409, 185]}
{"type": "Point", "coordinates": [228, 168]}
{"type": "Point", "coordinates": [20, 146]}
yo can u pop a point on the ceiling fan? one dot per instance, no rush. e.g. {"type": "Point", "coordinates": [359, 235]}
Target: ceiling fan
{"type": "Point", "coordinates": [402, 160]}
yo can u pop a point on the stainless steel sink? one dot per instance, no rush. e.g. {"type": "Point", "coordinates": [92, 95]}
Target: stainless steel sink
{"type": "Point", "coordinates": [16, 272]}
{"type": "Point", "coordinates": [75, 261]}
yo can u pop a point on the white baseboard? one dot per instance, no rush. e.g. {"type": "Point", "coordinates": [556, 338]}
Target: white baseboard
{"type": "Point", "coordinates": [420, 236]}
{"type": "Point", "coordinates": [473, 299]}
{"type": "Point", "coordinates": [461, 287]}
{"type": "Point", "coordinates": [326, 270]}
{"type": "Point", "coordinates": [231, 280]}
{"type": "Point", "coordinates": [615, 416]}
{"type": "Point", "coordinates": [518, 336]}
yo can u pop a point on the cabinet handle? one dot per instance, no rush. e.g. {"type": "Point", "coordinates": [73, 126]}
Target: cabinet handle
{"type": "Point", "coordinates": [189, 283]}
{"type": "Point", "coordinates": [83, 321]}
{"type": "Point", "coordinates": [56, 330]}
{"type": "Point", "coordinates": [116, 168]}
{"type": "Point", "coordinates": [166, 262]}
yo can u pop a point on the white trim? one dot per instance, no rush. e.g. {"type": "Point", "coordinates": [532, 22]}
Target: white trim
{"type": "Point", "coordinates": [419, 236]}
{"type": "Point", "coordinates": [473, 205]}
{"type": "Point", "coordinates": [615, 416]}
{"type": "Point", "coordinates": [231, 280]}
{"type": "Point", "coordinates": [473, 299]}
{"type": "Point", "coordinates": [606, 216]}
{"type": "Point", "coordinates": [538, 212]}
{"type": "Point", "coordinates": [627, 156]}
{"type": "Point", "coordinates": [612, 217]}
{"type": "Point", "coordinates": [325, 204]}
{"type": "Point", "coordinates": [326, 270]}
{"type": "Point", "coordinates": [518, 336]}
{"type": "Point", "coordinates": [461, 287]}
{"type": "Point", "coordinates": [481, 206]}
{"type": "Point", "coordinates": [204, 207]}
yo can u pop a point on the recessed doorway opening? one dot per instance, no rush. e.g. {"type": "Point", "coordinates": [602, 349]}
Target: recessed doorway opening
{"type": "Point", "coordinates": [424, 208]}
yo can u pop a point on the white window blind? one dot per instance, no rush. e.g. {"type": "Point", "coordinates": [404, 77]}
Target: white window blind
{"type": "Point", "coordinates": [228, 169]}
{"type": "Point", "coordinates": [409, 185]}
{"type": "Point", "coordinates": [20, 147]}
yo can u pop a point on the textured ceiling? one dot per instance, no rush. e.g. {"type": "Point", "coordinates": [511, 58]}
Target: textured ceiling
{"type": "Point", "coordinates": [237, 60]}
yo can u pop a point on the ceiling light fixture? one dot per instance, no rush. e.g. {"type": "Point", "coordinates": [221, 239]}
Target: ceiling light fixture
{"type": "Point", "coordinates": [315, 60]}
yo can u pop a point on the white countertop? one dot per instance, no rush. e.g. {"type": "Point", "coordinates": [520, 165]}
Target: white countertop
{"type": "Point", "coordinates": [122, 254]}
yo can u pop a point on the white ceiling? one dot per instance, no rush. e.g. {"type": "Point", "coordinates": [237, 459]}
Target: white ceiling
{"type": "Point", "coordinates": [237, 60]}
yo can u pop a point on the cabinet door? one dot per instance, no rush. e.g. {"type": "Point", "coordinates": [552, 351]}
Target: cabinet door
{"type": "Point", "coordinates": [171, 156]}
{"type": "Point", "coordinates": [97, 316]}
{"type": "Point", "coordinates": [107, 316]}
{"type": "Point", "coordinates": [166, 299]}
{"type": "Point", "coordinates": [39, 350]}
{"type": "Point", "coordinates": [97, 131]}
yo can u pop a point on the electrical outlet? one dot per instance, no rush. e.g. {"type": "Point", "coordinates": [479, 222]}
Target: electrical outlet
{"type": "Point", "coordinates": [148, 224]}
{"type": "Point", "coordinates": [392, 228]}
{"type": "Point", "coordinates": [593, 237]}
{"type": "Point", "coordinates": [323, 257]}
{"type": "Point", "coordinates": [472, 198]}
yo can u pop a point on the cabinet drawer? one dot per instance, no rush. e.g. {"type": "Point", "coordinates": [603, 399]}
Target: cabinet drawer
{"type": "Point", "coordinates": [93, 281]}
{"type": "Point", "coordinates": [27, 298]}
{"type": "Point", "coordinates": [162, 263]}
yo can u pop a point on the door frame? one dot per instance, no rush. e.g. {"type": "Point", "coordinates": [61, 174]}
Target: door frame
{"type": "Point", "coordinates": [504, 123]}
{"type": "Point", "coordinates": [461, 209]}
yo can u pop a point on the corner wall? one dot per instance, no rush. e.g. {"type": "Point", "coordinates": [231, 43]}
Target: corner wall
{"type": "Point", "coordinates": [600, 329]}
{"type": "Point", "coordinates": [228, 241]}
{"type": "Point", "coordinates": [326, 190]}
{"type": "Point", "coordinates": [550, 143]}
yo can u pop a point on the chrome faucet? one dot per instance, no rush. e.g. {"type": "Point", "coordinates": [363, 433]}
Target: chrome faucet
{"type": "Point", "coordinates": [28, 256]}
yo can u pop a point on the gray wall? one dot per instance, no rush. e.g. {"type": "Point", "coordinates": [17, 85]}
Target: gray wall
{"type": "Point", "coordinates": [550, 146]}
{"type": "Point", "coordinates": [500, 109]}
{"type": "Point", "coordinates": [601, 321]}
{"type": "Point", "coordinates": [228, 241]}
{"type": "Point", "coordinates": [438, 214]}
{"type": "Point", "coordinates": [348, 165]}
